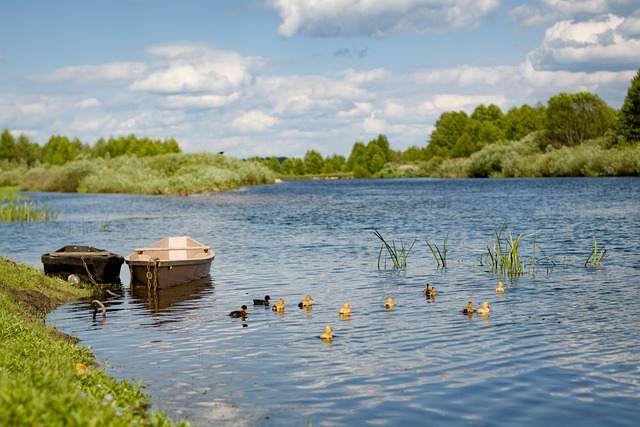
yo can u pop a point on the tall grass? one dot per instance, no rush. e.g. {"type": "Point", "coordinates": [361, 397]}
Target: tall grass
{"type": "Point", "coordinates": [504, 256]}
{"type": "Point", "coordinates": [169, 174]}
{"type": "Point", "coordinates": [15, 207]}
{"type": "Point", "coordinates": [398, 255]}
{"type": "Point", "coordinates": [439, 256]}
{"type": "Point", "coordinates": [596, 255]}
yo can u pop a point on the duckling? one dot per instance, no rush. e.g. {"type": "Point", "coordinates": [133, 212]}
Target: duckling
{"type": "Point", "coordinates": [429, 291]}
{"type": "Point", "coordinates": [389, 303]}
{"type": "Point", "coordinates": [279, 306]}
{"type": "Point", "coordinates": [328, 334]}
{"type": "Point", "coordinates": [81, 368]}
{"type": "Point", "coordinates": [345, 310]}
{"type": "Point", "coordinates": [264, 301]}
{"type": "Point", "coordinates": [239, 313]}
{"type": "Point", "coordinates": [305, 303]}
{"type": "Point", "coordinates": [484, 311]}
{"type": "Point", "coordinates": [499, 288]}
{"type": "Point", "coordinates": [468, 309]}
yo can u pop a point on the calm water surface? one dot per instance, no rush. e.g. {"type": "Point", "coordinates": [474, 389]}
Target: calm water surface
{"type": "Point", "coordinates": [561, 346]}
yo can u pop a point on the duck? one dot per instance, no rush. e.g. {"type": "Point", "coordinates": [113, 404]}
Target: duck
{"type": "Point", "coordinates": [499, 288]}
{"type": "Point", "coordinates": [429, 291]}
{"type": "Point", "coordinates": [328, 334]}
{"type": "Point", "coordinates": [305, 303]}
{"type": "Point", "coordinates": [484, 310]}
{"type": "Point", "coordinates": [468, 309]}
{"type": "Point", "coordinates": [239, 313]}
{"type": "Point", "coordinates": [389, 303]}
{"type": "Point", "coordinates": [81, 368]}
{"type": "Point", "coordinates": [345, 310]}
{"type": "Point", "coordinates": [264, 301]}
{"type": "Point", "coordinates": [279, 306]}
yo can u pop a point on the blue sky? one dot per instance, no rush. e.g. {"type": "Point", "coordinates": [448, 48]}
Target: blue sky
{"type": "Point", "coordinates": [281, 77]}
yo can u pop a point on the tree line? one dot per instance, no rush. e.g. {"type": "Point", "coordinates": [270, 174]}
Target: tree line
{"type": "Point", "coordinates": [568, 120]}
{"type": "Point", "coordinates": [60, 150]}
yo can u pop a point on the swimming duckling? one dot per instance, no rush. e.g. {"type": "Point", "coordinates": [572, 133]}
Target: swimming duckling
{"type": "Point", "coordinates": [279, 306]}
{"type": "Point", "coordinates": [264, 301]}
{"type": "Point", "coordinates": [389, 303]}
{"type": "Point", "coordinates": [305, 303]}
{"type": "Point", "coordinates": [239, 313]}
{"type": "Point", "coordinates": [484, 311]}
{"type": "Point", "coordinates": [499, 288]}
{"type": "Point", "coordinates": [468, 309]}
{"type": "Point", "coordinates": [328, 334]}
{"type": "Point", "coordinates": [345, 310]}
{"type": "Point", "coordinates": [429, 291]}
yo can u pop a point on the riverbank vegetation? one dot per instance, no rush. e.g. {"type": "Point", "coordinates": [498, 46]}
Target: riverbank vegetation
{"type": "Point", "coordinates": [48, 380]}
{"type": "Point", "coordinates": [574, 134]}
{"type": "Point", "coordinates": [168, 174]}
{"type": "Point", "coordinates": [16, 207]}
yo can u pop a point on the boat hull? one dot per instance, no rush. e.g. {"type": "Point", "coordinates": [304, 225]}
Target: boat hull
{"type": "Point", "coordinates": [88, 263]}
{"type": "Point", "coordinates": [169, 262]}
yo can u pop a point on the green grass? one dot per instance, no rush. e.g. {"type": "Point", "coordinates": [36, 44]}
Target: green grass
{"type": "Point", "coordinates": [38, 382]}
{"type": "Point", "coordinates": [15, 207]}
{"type": "Point", "coordinates": [596, 255]}
{"type": "Point", "coordinates": [398, 255]}
{"type": "Point", "coordinates": [439, 256]}
{"type": "Point", "coordinates": [504, 256]}
{"type": "Point", "coordinates": [168, 174]}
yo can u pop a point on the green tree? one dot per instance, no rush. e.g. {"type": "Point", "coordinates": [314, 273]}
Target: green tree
{"type": "Point", "coordinates": [358, 157]}
{"type": "Point", "coordinates": [575, 118]}
{"type": "Point", "coordinates": [334, 163]}
{"type": "Point", "coordinates": [7, 146]}
{"type": "Point", "coordinates": [313, 162]}
{"type": "Point", "coordinates": [449, 127]}
{"type": "Point", "coordinates": [58, 151]}
{"type": "Point", "coordinates": [27, 152]}
{"type": "Point", "coordinates": [274, 164]}
{"type": "Point", "coordinates": [413, 154]}
{"type": "Point", "coordinates": [520, 122]}
{"type": "Point", "coordinates": [628, 125]}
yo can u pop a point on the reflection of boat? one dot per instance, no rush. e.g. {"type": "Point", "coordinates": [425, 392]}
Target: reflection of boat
{"type": "Point", "coordinates": [169, 262]}
{"type": "Point", "coordinates": [88, 263]}
{"type": "Point", "coordinates": [162, 299]}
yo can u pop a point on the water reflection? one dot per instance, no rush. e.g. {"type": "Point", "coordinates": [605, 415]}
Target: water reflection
{"type": "Point", "coordinates": [159, 300]}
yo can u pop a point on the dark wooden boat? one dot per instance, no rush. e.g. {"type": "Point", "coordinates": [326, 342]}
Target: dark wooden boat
{"type": "Point", "coordinates": [169, 262]}
{"type": "Point", "coordinates": [90, 264]}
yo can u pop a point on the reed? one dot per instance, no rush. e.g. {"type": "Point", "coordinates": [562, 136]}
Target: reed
{"type": "Point", "coordinates": [398, 255]}
{"type": "Point", "coordinates": [596, 255]}
{"type": "Point", "coordinates": [439, 256]}
{"type": "Point", "coordinates": [15, 207]}
{"type": "Point", "coordinates": [504, 256]}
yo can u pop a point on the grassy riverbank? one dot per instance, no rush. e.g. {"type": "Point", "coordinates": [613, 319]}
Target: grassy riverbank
{"type": "Point", "coordinates": [169, 174]}
{"type": "Point", "coordinates": [39, 382]}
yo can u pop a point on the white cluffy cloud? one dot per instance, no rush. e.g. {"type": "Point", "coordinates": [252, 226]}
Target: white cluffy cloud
{"type": "Point", "coordinates": [607, 42]}
{"type": "Point", "coordinates": [378, 18]}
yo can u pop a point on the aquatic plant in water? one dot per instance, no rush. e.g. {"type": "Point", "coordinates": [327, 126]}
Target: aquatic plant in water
{"type": "Point", "coordinates": [595, 256]}
{"type": "Point", "coordinates": [506, 259]}
{"type": "Point", "coordinates": [398, 255]}
{"type": "Point", "coordinates": [440, 257]}
{"type": "Point", "coordinates": [14, 207]}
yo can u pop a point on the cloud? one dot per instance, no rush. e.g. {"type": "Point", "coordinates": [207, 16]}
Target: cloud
{"type": "Point", "coordinates": [197, 67]}
{"type": "Point", "coordinates": [606, 42]}
{"type": "Point", "coordinates": [90, 74]}
{"type": "Point", "coordinates": [253, 121]}
{"type": "Point", "coordinates": [546, 12]}
{"type": "Point", "coordinates": [373, 18]}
